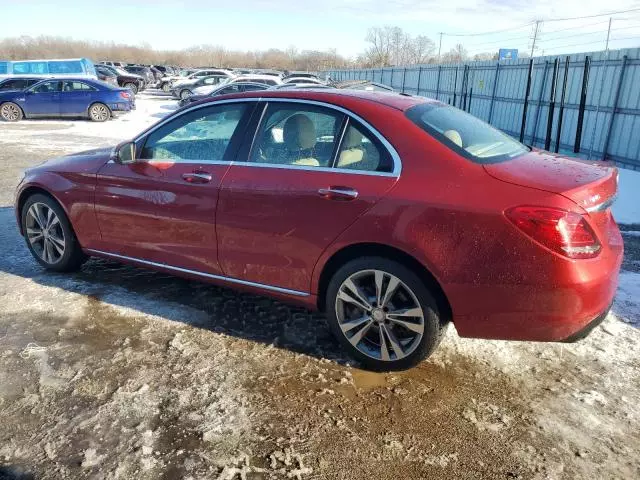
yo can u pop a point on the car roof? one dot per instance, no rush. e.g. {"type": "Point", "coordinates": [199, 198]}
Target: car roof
{"type": "Point", "coordinates": [334, 96]}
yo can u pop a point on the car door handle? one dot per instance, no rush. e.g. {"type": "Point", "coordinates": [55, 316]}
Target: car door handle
{"type": "Point", "coordinates": [197, 177]}
{"type": "Point", "coordinates": [338, 193]}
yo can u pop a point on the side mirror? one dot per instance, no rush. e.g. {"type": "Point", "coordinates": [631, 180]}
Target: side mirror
{"type": "Point", "coordinates": [125, 153]}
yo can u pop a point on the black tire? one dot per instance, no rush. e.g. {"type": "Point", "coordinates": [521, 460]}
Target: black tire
{"type": "Point", "coordinates": [11, 112]}
{"type": "Point", "coordinates": [434, 328]}
{"type": "Point", "coordinates": [99, 112]}
{"type": "Point", "coordinates": [131, 86]}
{"type": "Point", "coordinates": [73, 256]}
{"type": "Point", "coordinates": [184, 94]}
{"type": "Point", "coordinates": [166, 88]}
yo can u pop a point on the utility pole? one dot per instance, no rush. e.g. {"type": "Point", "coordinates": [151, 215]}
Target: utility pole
{"type": "Point", "coordinates": [535, 36]}
{"type": "Point", "coordinates": [608, 34]}
{"type": "Point", "coordinates": [440, 45]}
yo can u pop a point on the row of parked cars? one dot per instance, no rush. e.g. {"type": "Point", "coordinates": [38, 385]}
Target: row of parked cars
{"type": "Point", "coordinates": [80, 88]}
{"type": "Point", "coordinates": [62, 88]}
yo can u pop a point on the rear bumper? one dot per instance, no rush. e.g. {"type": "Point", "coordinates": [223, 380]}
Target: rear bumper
{"type": "Point", "coordinates": [562, 305]}
{"type": "Point", "coordinates": [122, 107]}
{"type": "Point", "coordinates": [584, 333]}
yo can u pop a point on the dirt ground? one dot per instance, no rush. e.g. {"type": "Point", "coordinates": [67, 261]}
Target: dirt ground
{"type": "Point", "coordinates": [117, 372]}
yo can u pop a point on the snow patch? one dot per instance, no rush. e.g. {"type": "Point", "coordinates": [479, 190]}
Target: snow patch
{"type": "Point", "coordinates": [627, 302]}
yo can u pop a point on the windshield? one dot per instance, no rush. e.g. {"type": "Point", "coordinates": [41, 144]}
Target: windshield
{"type": "Point", "coordinates": [464, 133]}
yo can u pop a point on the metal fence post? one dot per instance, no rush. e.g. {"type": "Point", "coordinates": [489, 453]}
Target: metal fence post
{"type": "Point", "coordinates": [419, 79]}
{"type": "Point", "coordinates": [561, 112]}
{"type": "Point", "coordinates": [552, 103]}
{"type": "Point", "coordinates": [493, 93]}
{"type": "Point", "coordinates": [526, 101]}
{"type": "Point", "coordinates": [583, 101]}
{"type": "Point", "coordinates": [404, 76]}
{"type": "Point", "coordinates": [615, 106]}
{"type": "Point", "coordinates": [455, 86]}
{"type": "Point", "coordinates": [543, 84]}
{"type": "Point", "coordinates": [438, 82]}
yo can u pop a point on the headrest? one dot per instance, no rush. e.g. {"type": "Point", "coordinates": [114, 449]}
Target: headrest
{"type": "Point", "coordinates": [454, 136]}
{"type": "Point", "coordinates": [352, 139]}
{"type": "Point", "coordinates": [299, 132]}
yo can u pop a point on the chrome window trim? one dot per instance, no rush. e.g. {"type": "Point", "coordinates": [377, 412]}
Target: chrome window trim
{"type": "Point", "coordinates": [200, 274]}
{"type": "Point", "coordinates": [397, 162]}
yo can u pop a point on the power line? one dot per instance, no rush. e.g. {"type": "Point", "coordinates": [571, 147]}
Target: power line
{"type": "Point", "coordinates": [591, 43]}
{"type": "Point", "coordinates": [592, 16]}
{"type": "Point", "coordinates": [579, 26]}
{"type": "Point", "coordinates": [560, 37]}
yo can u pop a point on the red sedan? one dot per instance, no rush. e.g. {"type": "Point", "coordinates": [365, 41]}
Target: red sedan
{"type": "Point", "coordinates": [393, 214]}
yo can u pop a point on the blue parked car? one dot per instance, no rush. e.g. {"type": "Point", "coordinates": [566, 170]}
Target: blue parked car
{"type": "Point", "coordinates": [18, 83]}
{"type": "Point", "coordinates": [69, 97]}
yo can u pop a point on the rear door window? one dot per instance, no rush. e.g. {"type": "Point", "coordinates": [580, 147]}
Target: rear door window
{"type": "Point", "coordinates": [360, 150]}
{"type": "Point", "coordinates": [297, 134]}
{"type": "Point", "coordinates": [76, 87]}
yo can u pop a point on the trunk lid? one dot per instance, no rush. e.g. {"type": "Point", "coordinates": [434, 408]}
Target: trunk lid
{"type": "Point", "coordinates": [591, 185]}
{"type": "Point", "coordinates": [587, 183]}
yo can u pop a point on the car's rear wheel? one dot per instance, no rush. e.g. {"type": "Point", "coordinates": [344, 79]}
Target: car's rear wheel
{"type": "Point", "coordinates": [131, 86]}
{"type": "Point", "coordinates": [49, 235]}
{"type": "Point", "coordinates": [184, 94]}
{"type": "Point", "coordinates": [382, 314]}
{"type": "Point", "coordinates": [10, 112]}
{"type": "Point", "coordinates": [166, 88]}
{"type": "Point", "coordinates": [99, 112]}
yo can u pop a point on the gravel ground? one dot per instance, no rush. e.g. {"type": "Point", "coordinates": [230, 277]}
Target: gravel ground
{"type": "Point", "coordinates": [118, 372]}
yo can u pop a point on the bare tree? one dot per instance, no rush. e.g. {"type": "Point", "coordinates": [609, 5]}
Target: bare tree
{"type": "Point", "coordinates": [26, 48]}
{"type": "Point", "coordinates": [456, 54]}
{"type": "Point", "coordinates": [393, 46]}
{"type": "Point", "coordinates": [422, 49]}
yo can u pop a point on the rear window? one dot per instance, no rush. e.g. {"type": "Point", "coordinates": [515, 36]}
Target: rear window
{"type": "Point", "coordinates": [467, 135]}
{"type": "Point", "coordinates": [3, 67]}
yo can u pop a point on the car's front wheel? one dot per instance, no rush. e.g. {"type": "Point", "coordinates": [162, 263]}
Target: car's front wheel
{"type": "Point", "coordinates": [184, 94]}
{"type": "Point", "coordinates": [166, 88]}
{"type": "Point", "coordinates": [10, 112]}
{"type": "Point", "coordinates": [99, 112]}
{"type": "Point", "coordinates": [49, 235]}
{"type": "Point", "coordinates": [382, 314]}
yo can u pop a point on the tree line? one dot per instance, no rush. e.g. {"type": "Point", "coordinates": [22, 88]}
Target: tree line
{"type": "Point", "coordinates": [387, 46]}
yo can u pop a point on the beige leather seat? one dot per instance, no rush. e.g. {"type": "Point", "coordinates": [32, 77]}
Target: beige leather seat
{"type": "Point", "coordinates": [454, 136]}
{"type": "Point", "coordinates": [299, 135]}
{"type": "Point", "coordinates": [352, 152]}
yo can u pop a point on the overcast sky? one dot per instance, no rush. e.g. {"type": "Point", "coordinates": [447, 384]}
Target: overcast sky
{"type": "Point", "coordinates": [340, 24]}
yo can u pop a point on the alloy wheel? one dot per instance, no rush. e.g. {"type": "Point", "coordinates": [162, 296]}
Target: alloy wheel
{"type": "Point", "coordinates": [379, 315]}
{"type": "Point", "coordinates": [45, 234]}
{"type": "Point", "coordinates": [99, 113]}
{"type": "Point", "coordinates": [10, 112]}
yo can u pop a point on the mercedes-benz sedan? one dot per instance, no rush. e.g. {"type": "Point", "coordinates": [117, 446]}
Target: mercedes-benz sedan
{"type": "Point", "coordinates": [393, 214]}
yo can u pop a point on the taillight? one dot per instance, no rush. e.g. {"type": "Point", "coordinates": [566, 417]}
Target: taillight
{"type": "Point", "coordinates": [566, 233]}
{"type": "Point", "coordinates": [125, 95]}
